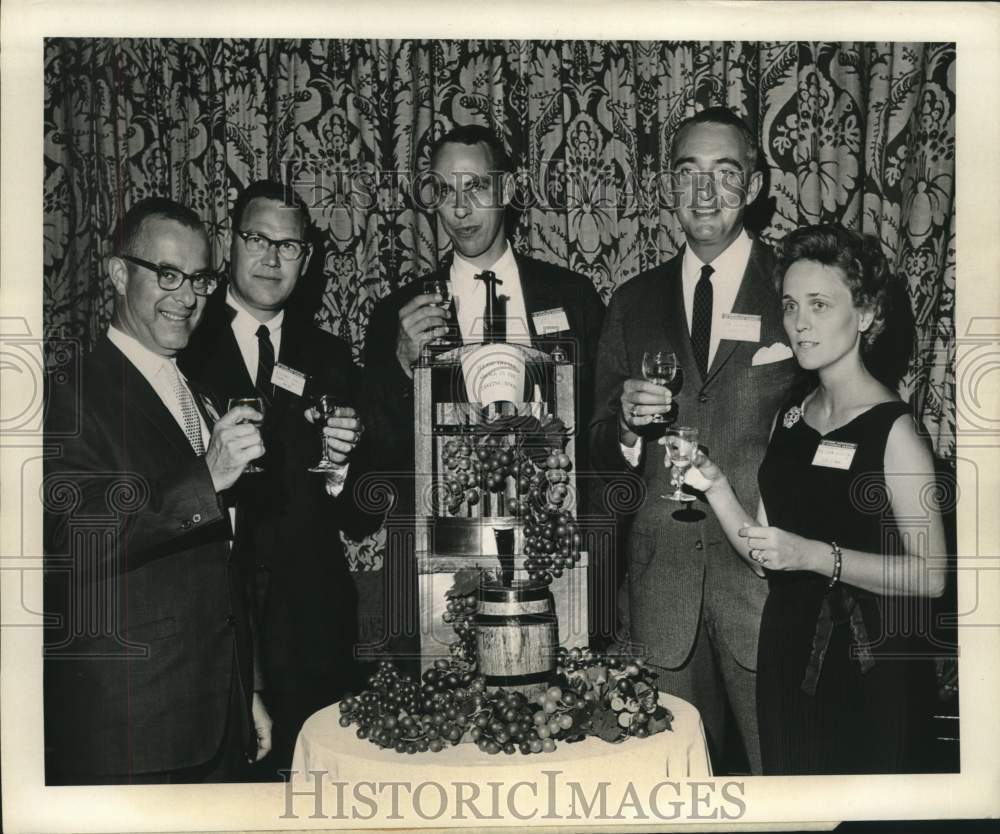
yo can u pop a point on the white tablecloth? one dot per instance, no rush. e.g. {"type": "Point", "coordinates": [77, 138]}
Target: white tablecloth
{"type": "Point", "coordinates": [331, 758]}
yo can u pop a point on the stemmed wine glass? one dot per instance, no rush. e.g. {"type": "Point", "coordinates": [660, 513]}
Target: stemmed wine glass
{"type": "Point", "coordinates": [682, 443]}
{"type": "Point", "coordinates": [662, 368]}
{"type": "Point", "coordinates": [442, 287]}
{"type": "Point", "coordinates": [326, 405]}
{"type": "Point", "coordinates": [256, 403]}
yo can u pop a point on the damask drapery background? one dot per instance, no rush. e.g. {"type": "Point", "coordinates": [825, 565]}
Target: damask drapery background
{"type": "Point", "coordinates": [860, 133]}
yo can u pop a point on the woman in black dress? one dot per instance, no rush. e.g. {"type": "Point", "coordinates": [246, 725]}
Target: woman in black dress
{"type": "Point", "coordinates": [847, 525]}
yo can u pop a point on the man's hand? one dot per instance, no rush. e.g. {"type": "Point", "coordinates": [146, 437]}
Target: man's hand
{"type": "Point", "coordinates": [640, 400]}
{"type": "Point", "coordinates": [262, 724]}
{"type": "Point", "coordinates": [420, 321]}
{"type": "Point", "coordinates": [342, 432]}
{"type": "Point", "coordinates": [234, 443]}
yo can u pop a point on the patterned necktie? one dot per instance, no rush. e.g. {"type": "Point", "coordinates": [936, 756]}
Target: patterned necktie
{"type": "Point", "coordinates": [265, 364]}
{"type": "Point", "coordinates": [701, 319]}
{"type": "Point", "coordinates": [189, 412]}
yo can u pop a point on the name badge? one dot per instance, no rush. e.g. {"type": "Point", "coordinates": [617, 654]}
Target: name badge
{"type": "Point", "coordinates": [740, 327]}
{"type": "Point", "coordinates": [550, 321]}
{"type": "Point", "coordinates": [834, 455]}
{"type": "Point", "coordinates": [289, 379]}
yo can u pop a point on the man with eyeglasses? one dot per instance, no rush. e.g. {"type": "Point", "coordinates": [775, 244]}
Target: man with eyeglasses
{"type": "Point", "coordinates": [148, 660]}
{"type": "Point", "coordinates": [694, 606]}
{"type": "Point", "coordinates": [259, 340]}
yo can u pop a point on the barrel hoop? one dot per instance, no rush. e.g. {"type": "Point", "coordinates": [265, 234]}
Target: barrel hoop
{"type": "Point", "coordinates": [514, 594]}
{"type": "Point", "coordinates": [529, 607]}
{"type": "Point", "coordinates": [518, 680]}
{"type": "Point", "coordinates": [514, 620]}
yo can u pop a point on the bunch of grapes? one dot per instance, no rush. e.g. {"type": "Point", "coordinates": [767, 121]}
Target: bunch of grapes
{"type": "Point", "coordinates": [620, 686]}
{"type": "Point", "coordinates": [422, 717]}
{"type": "Point", "coordinates": [460, 610]}
{"type": "Point", "coordinates": [551, 544]}
{"type": "Point", "coordinates": [509, 723]}
{"type": "Point", "coordinates": [462, 477]}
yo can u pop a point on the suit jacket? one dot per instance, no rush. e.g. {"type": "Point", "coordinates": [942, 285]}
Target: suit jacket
{"type": "Point", "coordinates": [147, 609]}
{"type": "Point", "coordinates": [288, 527]}
{"type": "Point", "coordinates": [677, 566]}
{"type": "Point", "coordinates": [389, 391]}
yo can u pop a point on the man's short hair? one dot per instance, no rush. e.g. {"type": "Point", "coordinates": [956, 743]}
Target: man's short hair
{"type": "Point", "coordinates": [146, 209]}
{"type": "Point", "coordinates": [473, 135]}
{"type": "Point", "coordinates": [719, 116]}
{"type": "Point", "coordinates": [270, 190]}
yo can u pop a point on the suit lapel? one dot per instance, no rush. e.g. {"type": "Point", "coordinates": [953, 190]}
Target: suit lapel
{"type": "Point", "coordinates": [753, 297]}
{"type": "Point", "coordinates": [675, 316]}
{"type": "Point", "coordinates": [140, 398]}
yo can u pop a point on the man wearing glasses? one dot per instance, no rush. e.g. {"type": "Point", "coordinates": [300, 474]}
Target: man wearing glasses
{"type": "Point", "coordinates": [258, 340]}
{"type": "Point", "coordinates": [148, 660]}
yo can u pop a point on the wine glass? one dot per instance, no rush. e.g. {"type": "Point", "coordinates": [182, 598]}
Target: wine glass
{"type": "Point", "coordinates": [326, 405]}
{"type": "Point", "coordinates": [443, 288]}
{"type": "Point", "coordinates": [662, 368]}
{"type": "Point", "coordinates": [682, 443]}
{"type": "Point", "coordinates": [256, 403]}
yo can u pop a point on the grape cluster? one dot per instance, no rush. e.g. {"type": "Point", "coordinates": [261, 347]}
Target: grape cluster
{"type": "Point", "coordinates": [396, 712]}
{"type": "Point", "coordinates": [460, 610]}
{"type": "Point", "coordinates": [471, 468]}
{"type": "Point", "coordinates": [621, 684]}
{"type": "Point", "coordinates": [509, 722]}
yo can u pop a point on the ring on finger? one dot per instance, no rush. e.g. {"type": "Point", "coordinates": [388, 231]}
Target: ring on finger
{"type": "Point", "coordinates": [631, 411]}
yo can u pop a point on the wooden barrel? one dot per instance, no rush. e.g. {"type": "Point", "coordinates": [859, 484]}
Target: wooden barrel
{"type": "Point", "coordinates": [517, 636]}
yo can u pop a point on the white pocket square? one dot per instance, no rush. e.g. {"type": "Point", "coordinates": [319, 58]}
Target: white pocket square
{"type": "Point", "coordinates": [774, 353]}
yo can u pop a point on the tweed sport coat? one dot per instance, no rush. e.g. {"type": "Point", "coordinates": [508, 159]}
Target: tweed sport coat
{"type": "Point", "coordinates": [678, 564]}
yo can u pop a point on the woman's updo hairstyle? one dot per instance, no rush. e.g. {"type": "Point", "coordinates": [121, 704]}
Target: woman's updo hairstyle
{"type": "Point", "coordinates": [888, 341]}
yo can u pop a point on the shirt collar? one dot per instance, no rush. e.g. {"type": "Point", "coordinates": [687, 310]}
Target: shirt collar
{"type": "Point", "coordinates": [465, 271]}
{"type": "Point", "coordinates": [732, 261]}
{"type": "Point", "coordinates": [246, 323]}
{"type": "Point", "coordinates": [148, 363]}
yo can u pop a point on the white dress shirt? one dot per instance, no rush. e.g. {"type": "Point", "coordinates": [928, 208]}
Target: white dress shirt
{"type": "Point", "coordinates": [470, 298]}
{"type": "Point", "coordinates": [729, 267]}
{"type": "Point", "coordinates": [159, 371]}
{"type": "Point", "coordinates": [245, 329]}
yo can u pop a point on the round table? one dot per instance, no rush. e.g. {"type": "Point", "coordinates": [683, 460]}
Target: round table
{"type": "Point", "coordinates": [354, 775]}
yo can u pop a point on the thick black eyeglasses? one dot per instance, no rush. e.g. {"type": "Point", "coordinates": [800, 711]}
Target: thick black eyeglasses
{"type": "Point", "coordinates": [289, 249]}
{"type": "Point", "coordinates": [170, 278]}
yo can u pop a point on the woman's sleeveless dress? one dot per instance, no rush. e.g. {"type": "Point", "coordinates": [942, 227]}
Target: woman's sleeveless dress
{"type": "Point", "coordinates": [843, 679]}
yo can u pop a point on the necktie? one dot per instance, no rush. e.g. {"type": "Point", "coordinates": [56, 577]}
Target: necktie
{"type": "Point", "coordinates": [189, 413]}
{"type": "Point", "coordinates": [701, 319]}
{"type": "Point", "coordinates": [265, 364]}
{"type": "Point", "coordinates": [494, 311]}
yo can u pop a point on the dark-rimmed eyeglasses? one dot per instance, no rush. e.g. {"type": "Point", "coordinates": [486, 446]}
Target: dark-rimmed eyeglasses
{"type": "Point", "coordinates": [170, 278]}
{"type": "Point", "coordinates": [289, 249]}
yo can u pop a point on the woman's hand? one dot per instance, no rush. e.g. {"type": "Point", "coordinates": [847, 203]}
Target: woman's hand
{"type": "Point", "coordinates": [703, 474]}
{"type": "Point", "coordinates": [777, 549]}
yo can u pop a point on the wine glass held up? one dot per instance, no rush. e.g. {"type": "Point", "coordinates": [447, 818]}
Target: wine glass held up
{"type": "Point", "coordinates": [326, 405]}
{"type": "Point", "coordinates": [442, 287]}
{"type": "Point", "coordinates": [681, 447]}
{"type": "Point", "coordinates": [256, 403]}
{"type": "Point", "coordinates": [662, 368]}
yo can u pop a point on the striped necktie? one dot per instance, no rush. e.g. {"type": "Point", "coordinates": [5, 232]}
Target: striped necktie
{"type": "Point", "coordinates": [189, 412]}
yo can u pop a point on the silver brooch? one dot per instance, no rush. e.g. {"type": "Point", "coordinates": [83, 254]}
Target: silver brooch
{"type": "Point", "coordinates": [792, 416]}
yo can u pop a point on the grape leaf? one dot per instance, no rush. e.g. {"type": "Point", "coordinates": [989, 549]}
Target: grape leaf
{"type": "Point", "coordinates": [466, 582]}
{"type": "Point", "coordinates": [604, 724]}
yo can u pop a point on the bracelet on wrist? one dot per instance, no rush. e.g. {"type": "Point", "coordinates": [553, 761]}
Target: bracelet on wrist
{"type": "Point", "coordinates": [838, 560]}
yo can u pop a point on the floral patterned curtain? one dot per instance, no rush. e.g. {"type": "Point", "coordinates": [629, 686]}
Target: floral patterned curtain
{"type": "Point", "coordinates": [860, 133]}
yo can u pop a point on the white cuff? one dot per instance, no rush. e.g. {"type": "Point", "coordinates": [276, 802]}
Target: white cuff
{"type": "Point", "coordinates": [632, 454]}
{"type": "Point", "coordinates": [335, 480]}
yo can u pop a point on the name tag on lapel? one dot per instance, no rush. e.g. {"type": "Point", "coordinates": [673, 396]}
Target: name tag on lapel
{"type": "Point", "coordinates": [834, 455]}
{"type": "Point", "coordinates": [740, 327]}
{"type": "Point", "coordinates": [289, 379]}
{"type": "Point", "coordinates": [550, 321]}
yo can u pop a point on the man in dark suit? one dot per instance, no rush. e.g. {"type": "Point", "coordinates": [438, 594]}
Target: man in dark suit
{"type": "Point", "coordinates": [694, 605]}
{"type": "Point", "coordinates": [255, 342]}
{"type": "Point", "coordinates": [148, 672]}
{"type": "Point", "coordinates": [545, 305]}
